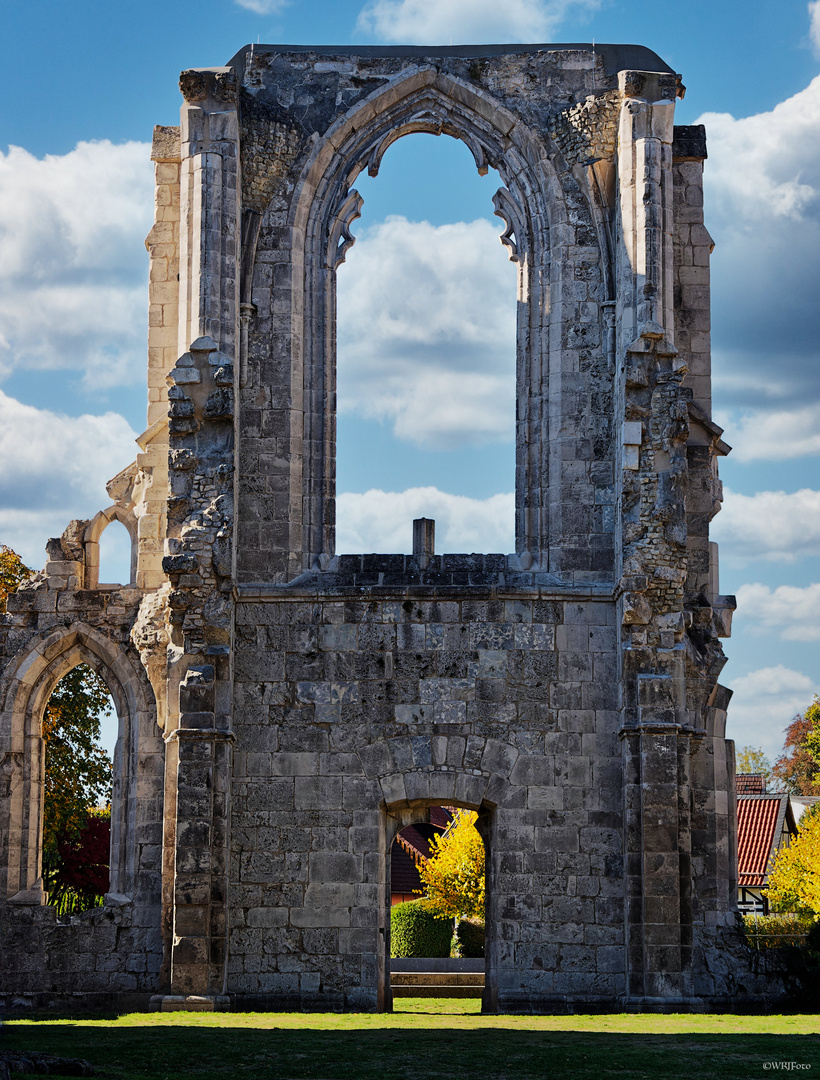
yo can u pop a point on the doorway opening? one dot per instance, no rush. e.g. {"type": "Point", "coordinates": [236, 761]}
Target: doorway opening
{"type": "Point", "coordinates": [437, 873]}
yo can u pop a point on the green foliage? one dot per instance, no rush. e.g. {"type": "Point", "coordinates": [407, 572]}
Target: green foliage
{"type": "Point", "coordinates": [78, 770]}
{"type": "Point", "coordinates": [468, 939]}
{"type": "Point", "coordinates": [453, 876]}
{"type": "Point", "coordinates": [416, 930]}
{"type": "Point", "coordinates": [776, 931]}
{"type": "Point", "coordinates": [13, 572]}
{"type": "Point", "coordinates": [751, 760]}
{"type": "Point", "coordinates": [798, 767]}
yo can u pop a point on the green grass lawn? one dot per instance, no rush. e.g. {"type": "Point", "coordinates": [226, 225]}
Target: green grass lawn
{"type": "Point", "coordinates": [425, 1039]}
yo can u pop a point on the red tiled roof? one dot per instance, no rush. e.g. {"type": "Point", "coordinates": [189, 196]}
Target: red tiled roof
{"type": "Point", "coordinates": [412, 846]}
{"type": "Point", "coordinates": [751, 784]}
{"type": "Point", "coordinates": [759, 824]}
{"type": "Point", "coordinates": [404, 876]}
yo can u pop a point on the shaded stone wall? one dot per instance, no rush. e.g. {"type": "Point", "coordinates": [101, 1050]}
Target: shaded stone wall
{"type": "Point", "coordinates": [352, 711]}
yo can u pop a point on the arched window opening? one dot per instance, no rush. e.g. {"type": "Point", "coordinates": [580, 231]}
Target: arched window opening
{"type": "Point", "coordinates": [426, 358]}
{"type": "Point", "coordinates": [437, 885]}
{"type": "Point", "coordinates": [79, 740]}
{"type": "Point", "coordinates": [115, 555]}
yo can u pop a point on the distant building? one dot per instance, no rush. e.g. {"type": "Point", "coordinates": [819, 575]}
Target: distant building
{"type": "Point", "coordinates": [765, 824]}
{"type": "Point", "coordinates": [412, 847]}
{"type": "Point", "coordinates": [802, 803]}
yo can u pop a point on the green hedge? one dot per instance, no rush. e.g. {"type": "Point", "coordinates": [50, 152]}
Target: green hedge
{"type": "Point", "coordinates": [468, 939]}
{"type": "Point", "coordinates": [415, 931]}
{"type": "Point", "coordinates": [777, 931]}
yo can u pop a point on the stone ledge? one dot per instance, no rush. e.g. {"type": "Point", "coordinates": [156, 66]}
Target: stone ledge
{"type": "Point", "coordinates": [191, 1003]}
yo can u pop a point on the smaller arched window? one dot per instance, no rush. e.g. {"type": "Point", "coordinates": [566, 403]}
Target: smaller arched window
{"type": "Point", "coordinates": [111, 549]}
{"type": "Point", "coordinates": [115, 555]}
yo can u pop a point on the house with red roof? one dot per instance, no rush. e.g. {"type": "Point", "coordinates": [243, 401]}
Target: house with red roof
{"type": "Point", "coordinates": [411, 848]}
{"type": "Point", "coordinates": [765, 824]}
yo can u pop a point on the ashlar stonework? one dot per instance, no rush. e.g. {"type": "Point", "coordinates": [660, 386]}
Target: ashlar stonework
{"type": "Point", "coordinates": [284, 711]}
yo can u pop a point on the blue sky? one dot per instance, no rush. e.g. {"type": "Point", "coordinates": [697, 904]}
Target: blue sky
{"type": "Point", "coordinates": [85, 84]}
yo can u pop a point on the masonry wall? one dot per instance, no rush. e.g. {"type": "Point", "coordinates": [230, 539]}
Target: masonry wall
{"type": "Point", "coordinates": [350, 712]}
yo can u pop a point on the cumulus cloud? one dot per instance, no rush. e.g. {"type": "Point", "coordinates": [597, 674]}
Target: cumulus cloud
{"type": "Point", "coordinates": [383, 521]}
{"type": "Point", "coordinates": [794, 613]}
{"type": "Point", "coordinates": [56, 469]}
{"type": "Point", "coordinates": [426, 332]}
{"type": "Point", "coordinates": [814, 24]}
{"type": "Point", "coordinates": [763, 705]}
{"type": "Point", "coordinates": [763, 209]}
{"type": "Point", "coordinates": [772, 525]}
{"type": "Point", "coordinates": [773, 436]}
{"type": "Point", "coordinates": [431, 22]}
{"type": "Point", "coordinates": [74, 268]}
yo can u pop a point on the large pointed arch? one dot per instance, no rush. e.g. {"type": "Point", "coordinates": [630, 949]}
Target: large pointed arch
{"type": "Point", "coordinates": [24, 692]}
{"type": "Point", "coordinates": [532, 206]}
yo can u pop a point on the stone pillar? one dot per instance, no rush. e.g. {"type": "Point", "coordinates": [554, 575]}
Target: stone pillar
{"type": "Point", "coordinates": [199, 535]}
{"type": "Point", "coordinates": [209, 203]}
{"type": "Point", "coordinates": [199, 947]}
{"type": "Point", "coordinates": [656, 728]}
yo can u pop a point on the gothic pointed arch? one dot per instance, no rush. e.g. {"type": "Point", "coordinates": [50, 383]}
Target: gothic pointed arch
{"type": "Point", "coordinates": [540, 204]}
{"type": "Point", "coordinates": [25, 689]}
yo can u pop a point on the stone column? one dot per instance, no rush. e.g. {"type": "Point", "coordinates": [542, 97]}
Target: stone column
{"type": "Point", "coordinates": [209, 204]}
{"type": "Point", "coordinates": [199, 941]}
{"type": "Point", "coordinates": [656, 727]}
{"type": "Point", "coordinates": [199, 536]}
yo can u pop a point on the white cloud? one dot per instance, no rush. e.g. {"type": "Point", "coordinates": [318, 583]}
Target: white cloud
{"type": "Point", "coordinates": [772, 436]}
{"type": "Point", "coordinates": [764, 703]}
{"type": "Point", "coordinates": [772, 525]}
{"type": "Point", "coordinates": [74, 269]}
{"type": "Point", "coordinates": [383, 521]}
{"type": "Point", "coordinates": [762, 198]}
{"type": "Point", "coordinates": [792, 612]}
{"type": "Point", "coordinates": [263, 7]}
{"type": "Point", "coordinates": [431, 22]}
{"type": "Point", "coordinates": [54, 468]}
{"type": "Point", "coordinates": [814, 24]}
{"type": "Point", "coordinates": [426, 330]}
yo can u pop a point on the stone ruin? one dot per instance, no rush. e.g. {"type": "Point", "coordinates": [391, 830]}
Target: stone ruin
{"type": "Point", "coordinates": [283, 710]}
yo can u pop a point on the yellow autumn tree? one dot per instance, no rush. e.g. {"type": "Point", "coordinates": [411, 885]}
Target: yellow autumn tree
{"type": "Point", "coordinates": [453, 876]}
{"type": "Point", "coordinates": [13, 571]}
{"type": "Point", "coordinates": [794, 883]}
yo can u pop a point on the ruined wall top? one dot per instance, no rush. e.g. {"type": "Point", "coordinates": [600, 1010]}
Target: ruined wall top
{"type": "Point", "coordinates": [614, 57]}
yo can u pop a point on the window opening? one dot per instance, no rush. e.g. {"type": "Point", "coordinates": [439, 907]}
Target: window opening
{"type": "Point", "coordinates": [115, 555]}
{"type": "Point", "coordinates": [426, 348]}
{"type": "Point", "coordinates": [78, 753]}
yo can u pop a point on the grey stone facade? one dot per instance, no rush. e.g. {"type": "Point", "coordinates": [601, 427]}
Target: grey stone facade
{"type": "Point", "coordinates": [285, 711]}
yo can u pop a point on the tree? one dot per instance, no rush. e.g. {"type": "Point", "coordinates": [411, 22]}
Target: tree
{"type": "Point", "coordinates": [13, 572]}
{"type": "Point", "coordinates": [754, 761]}
{"type": "Point", "coordinates": [453, 876]}
{"type": "Point", "coordinates": [799, 766]}
{"type": "Point", "coordinates": [77, 768]}
{"type": "Point", "coordinates": [794, 882]}
{"type": "Point", "coordinates": [82, 872]}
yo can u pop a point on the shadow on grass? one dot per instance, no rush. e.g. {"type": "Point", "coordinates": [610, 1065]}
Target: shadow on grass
{"type": "Point", "coordinates": [161, 1053]}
